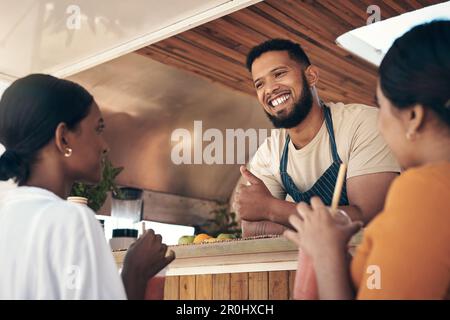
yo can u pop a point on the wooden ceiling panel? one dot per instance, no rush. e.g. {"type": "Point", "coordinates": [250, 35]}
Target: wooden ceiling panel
{"type": "Point", "coordinates": [217, 50]}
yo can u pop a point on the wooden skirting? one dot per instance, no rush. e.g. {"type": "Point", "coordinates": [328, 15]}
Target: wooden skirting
{"type": "Point", "coordinates": [267, 285]}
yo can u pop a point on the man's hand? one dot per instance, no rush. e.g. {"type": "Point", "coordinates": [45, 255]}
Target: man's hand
{"type": "Point", "coordinates": [252, 202]}
{"type": "Point", "coordinates": [144, 259]}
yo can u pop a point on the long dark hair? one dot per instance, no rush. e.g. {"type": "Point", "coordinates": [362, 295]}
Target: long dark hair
{"type": "Point", "coordinates": [30, 111]}
{"type": "Point", "coordinates": [416, 69]}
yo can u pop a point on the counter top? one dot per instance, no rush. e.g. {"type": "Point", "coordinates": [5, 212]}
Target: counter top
{"type": "Point", "coordinates": [268, 253]}
{"type": "Point", "coordinates": [264, 253]}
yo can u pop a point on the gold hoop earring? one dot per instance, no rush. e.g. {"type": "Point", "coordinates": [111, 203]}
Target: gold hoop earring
{"type": "Point", "coordinates": [68, 152]}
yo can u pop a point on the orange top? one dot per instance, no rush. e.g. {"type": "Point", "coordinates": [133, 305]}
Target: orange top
{"type": "Point", "coordinates": [405, 253]}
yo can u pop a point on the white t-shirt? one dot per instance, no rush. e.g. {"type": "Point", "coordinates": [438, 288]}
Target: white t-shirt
{"type": "Point", "coordinates": [359, 145]}
{"type": "Point", "coordinates": [53, 249]}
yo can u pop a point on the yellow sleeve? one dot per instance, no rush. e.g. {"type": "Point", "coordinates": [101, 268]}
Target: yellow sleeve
{"type": "Point", "coordinates": [369, 152]}
{"type": "Point", "coordinates": [265, 167]}
{"type": "Point", "coordinates": [410, 244]}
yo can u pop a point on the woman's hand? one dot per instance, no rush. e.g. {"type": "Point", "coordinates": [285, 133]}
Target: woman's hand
{"type": "Point", "coordinates": [316, 230]}
{"type": "Point", "coordinates": [144, 259]}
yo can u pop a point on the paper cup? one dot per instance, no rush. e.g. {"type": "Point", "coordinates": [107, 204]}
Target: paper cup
{"type": "Point", "coordinates": [80, 200]}
{"type": "Point", "coordinates": [305, 286]}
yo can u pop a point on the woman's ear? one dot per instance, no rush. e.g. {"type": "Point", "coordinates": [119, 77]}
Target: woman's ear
{"type": "Point", "coordinates": [312, 75]}
{"type": "Point", "coordinates": [61, 137]}
{"type": "Point", "coordinates": [414, 118]}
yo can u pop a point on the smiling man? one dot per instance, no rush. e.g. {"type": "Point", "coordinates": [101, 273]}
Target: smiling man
{"type": "Point", "coordinates": [302, 156]}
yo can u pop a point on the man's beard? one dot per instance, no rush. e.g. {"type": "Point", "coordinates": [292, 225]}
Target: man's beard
{"type": "Point", "coordinates": [299, 112]}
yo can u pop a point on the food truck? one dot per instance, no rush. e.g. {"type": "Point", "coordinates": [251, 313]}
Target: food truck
{"type": "Point", "coordinates": [182, 115]}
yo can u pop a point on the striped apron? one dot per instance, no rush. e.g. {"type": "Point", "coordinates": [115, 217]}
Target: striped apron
{"type": "Point", "coordinates": [324, 186]}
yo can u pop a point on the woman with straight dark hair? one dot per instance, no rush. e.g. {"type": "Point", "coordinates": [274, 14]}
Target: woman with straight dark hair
{"type": "Point", "coordinates": [50, 248]}
{"type": "Point", "coordinates": [405, 253]}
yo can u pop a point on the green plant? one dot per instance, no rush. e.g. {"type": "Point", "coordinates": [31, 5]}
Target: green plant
{"type": "Point", "coordinates": [97, 194]}
{"type": "Point", "coordinates": [223, 222]}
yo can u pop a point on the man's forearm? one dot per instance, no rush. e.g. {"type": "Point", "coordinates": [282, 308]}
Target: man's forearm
{"type": "Point", "coordinates": [280, 210]}
{"type": "Point", "coordinates": [260, 228]}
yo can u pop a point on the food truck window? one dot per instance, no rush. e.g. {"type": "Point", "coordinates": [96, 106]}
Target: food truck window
{"type": "Point", "coordinates": [372, 41]}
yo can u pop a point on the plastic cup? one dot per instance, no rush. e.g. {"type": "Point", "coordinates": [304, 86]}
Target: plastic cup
{"type": "Point", "coordinates": [340, 216]}
{"type": "Point", "coordinates": [305, 286]}
{"type": "Point", "coordinates": [155, 286]}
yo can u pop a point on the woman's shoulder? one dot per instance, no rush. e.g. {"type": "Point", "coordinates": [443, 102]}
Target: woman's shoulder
{"type": "Point", "coordinates": [424, 189]}
{"type": "Point", "coordinates": [48, 208]}
{"type": "Point", "coordinates": [417, 204]}
{"type": "Point", "coordinates": [45, 217]}
{"type": "Point", "coordinates": [70, 213]}
{"type": "Point", "coordinates": [421, 178]}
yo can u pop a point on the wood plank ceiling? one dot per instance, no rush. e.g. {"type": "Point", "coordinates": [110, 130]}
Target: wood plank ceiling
{"type": "Point", "coordinates": [217, 50]}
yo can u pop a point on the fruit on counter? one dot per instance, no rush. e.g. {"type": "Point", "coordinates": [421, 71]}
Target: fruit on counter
{"type": "Point", "coordinates": [186, 239]}
{"type": "Point", "coordinates": [210, 240]}
{"type": "Point", "coordinates": [201, 237]}
{"type": "Point", "coordinates": [226, 236]}
{"type": "Point", "coordinates": [205, 238]}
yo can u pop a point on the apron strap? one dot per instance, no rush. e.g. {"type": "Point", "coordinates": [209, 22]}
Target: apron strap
{"type": "Point", "coordinates": [330, 129]}
{"type": "Point", "coordinates": [284, 156]}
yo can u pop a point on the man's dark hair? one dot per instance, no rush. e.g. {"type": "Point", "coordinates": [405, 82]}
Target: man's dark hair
{"type": "Point", "coordinates": [294, 50]}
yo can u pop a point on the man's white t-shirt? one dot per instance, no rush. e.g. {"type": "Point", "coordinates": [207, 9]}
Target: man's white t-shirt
{"type": "Point", "coordinates": [53, 249]}
{"type": "Point", "coordinates": [359, 145]}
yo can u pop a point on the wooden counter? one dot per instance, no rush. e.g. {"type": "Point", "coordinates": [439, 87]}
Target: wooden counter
{"type": "Point", "coordinates": [258, 268]}
{"type": "Point", "coordinates": [247, 269]}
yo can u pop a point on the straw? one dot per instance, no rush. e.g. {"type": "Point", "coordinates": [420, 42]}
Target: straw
{"type": "Point", "coordinates": [143, 227]}
{"type": "Point", "coordinates": [338, 187]}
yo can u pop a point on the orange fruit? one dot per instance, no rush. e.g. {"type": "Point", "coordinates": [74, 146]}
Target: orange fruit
{"type": "Point", "coordinates": [201, 237]}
